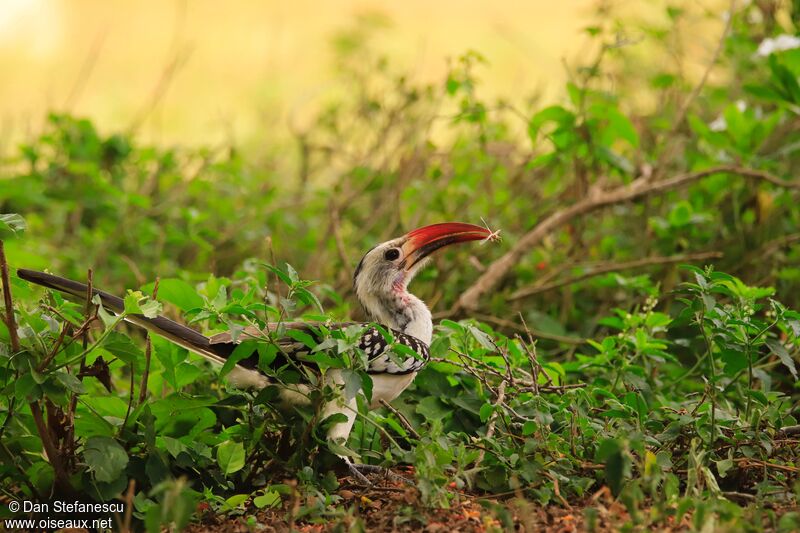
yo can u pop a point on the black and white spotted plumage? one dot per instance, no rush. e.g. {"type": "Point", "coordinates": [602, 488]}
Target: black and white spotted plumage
{"type": "Point", "coordinates": [381, 286]}
{"type": "Point", "coordinates": [381, 361]}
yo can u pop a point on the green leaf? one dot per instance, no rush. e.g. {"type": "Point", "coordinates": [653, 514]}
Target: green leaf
{"type": "Point", "coordinates": [735, 360]}
{"type": "Point", "coordinates": [176, 292]}
{"type": "Point", "coordinates": [340, 450]}
{"type": "Point", "coordinates": [553, 113]}
{"type": "Point", "coordinates": [108, 318]}
{"type": "Point", "coordinates": [780, 350]}
{"type": "Point", "coordinates": [366, 384]}
{"type": "Point", "coordinates": [352, 383]}
{"type": "Point", "coordinates": [433, 409]}
{"type": "Point", "coordinates": [308, 298]}
{"type": "Point", "coordinates": [123, 348]}
{"type": "Point", "coordinates": [138, 304]}
{"type": "Point", "coordinates": [281, 274]}
{"type": "Point", "coordinates": [173, 446]}
{"type": "Point", "coordinates": [545, 323]}
{"type": "Point", "coordinates": [11, 224]}
{"type": "Point", "coordinates": [186, 373]}
{"type": "Point", "coordinates": [236, 500]}
{"type": "Point", "coordinates": [230, 456]}
{"type": "Point", "coordinates": [268, 499]}
{"type": "Point", "coordinates": [452, 85]}
{"type": "Point", "coordinates": [242, 351]}
{"type": "Point", "coordinates": [486, 411]}
{"type": "Point", "coordinates": [483, 339]}
{"type": "Point", "coordinates": [71, 382]}
{"type": "Point", "coordinates": [681, 214]}
{"type": "Point", "coordinates": [786, 80]}
{"type": "Point", "coordinates": [619, 126]}
{"type": "Point", "coordinates": [105, 457]}
{"type": "Point", "coordinates": [611, 454]}
{"type": "Point", "coordinates": [451, 325]}
{"type": "Point", "coordinates": [132, 302]}
{"type": "Point", "coordinates": [302, 336]}
{"type": "Point", "coordinates": [723, 466]}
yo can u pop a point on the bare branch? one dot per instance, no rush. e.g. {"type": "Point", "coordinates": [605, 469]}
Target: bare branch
{"type": "Point", "coordinates": [678, 121]}
{"type": "Point", "coordinates": [148, 350]}
{"type": "Point", "coordinates": [8, 302]}
{"type": "Point", "coordinates": [597, 198]}
{"type": "Point", "coordinates": [605, 268]}
{"type": "Point", "coordinates": [502, 322]}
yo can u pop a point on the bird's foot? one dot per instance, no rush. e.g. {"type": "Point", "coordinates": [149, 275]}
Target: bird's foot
{"type": "Point", "coordinates": [358, 471]}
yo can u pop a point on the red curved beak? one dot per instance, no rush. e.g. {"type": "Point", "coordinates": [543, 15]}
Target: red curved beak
{"type": "Point", "coordinates": [422, 242]}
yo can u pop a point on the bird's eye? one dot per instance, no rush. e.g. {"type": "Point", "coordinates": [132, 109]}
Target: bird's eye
{"type": "Point", "coordinates": [391, 254]}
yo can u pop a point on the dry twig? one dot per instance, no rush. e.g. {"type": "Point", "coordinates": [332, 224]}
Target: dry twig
{"type": "Point", "coordinates": [59, 472]}
{"type": "Point", "coordinates": [614, 267]}
{"type": "Point", "coordinates": [596, 199]}
{"type": "Point", "coordinates": [148, 349]}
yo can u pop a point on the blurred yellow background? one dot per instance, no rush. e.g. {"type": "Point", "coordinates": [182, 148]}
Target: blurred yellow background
{"type": "Point", "coordinates": [206, 71]}
{"type": "Point", "coordinates": [240, 67]}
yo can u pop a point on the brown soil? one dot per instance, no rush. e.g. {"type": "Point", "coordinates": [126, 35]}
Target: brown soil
{"type": "Point", "coordinates": [391, 505]}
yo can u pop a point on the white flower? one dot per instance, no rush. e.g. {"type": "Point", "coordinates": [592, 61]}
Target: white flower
{"type": "Point", "coordinates": [719, 124]}
{"type": "Point", "coordinates": [780, 43]}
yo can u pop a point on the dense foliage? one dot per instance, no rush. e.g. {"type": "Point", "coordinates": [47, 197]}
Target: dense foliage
{"type": "Point", "coordinates": [586, 354]}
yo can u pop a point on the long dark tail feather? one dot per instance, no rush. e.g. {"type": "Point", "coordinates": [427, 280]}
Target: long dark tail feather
{"type": "Point", "coordinates": [177, 333]}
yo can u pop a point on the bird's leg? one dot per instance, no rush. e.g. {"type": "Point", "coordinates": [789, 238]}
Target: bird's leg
{"type": "Point", "coordinates": [358, 470]}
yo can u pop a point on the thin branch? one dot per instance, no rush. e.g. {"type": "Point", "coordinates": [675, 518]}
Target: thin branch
{"type": "Point", "coordinates": [770, 247]}
{"type": "Point", "coordinates": [678, 121]}
{"type": "Point", "coordinates": [336, 229]}
{"type": "Point", "coordinates": [534, 364]}
{"type": "Point", "coordinates": [605, 268]}
{"type": "Point", "coordinates": [745, 462]}
{"type": "Point", "coordinates": [130, 400]}
{"type": "Point", "coordinates": [502, 322]}
{"type": "Point", "coordinates": [148, 349]}
{"type": "Point", "coordinates": [85, 72]}
{"type": "Point", "coordinates": [558, 389]}
{"type": "Point", "coordinates": [90, 313]}
{"type": "Point", "coordinates": [501, 396]}
{"type": "Point", "coordinates": [56, 347]}
{"type": "Point", "coordinates": [596, 199]}
{"type": "Point", "coordinates": [403, 420]}
{"type": "Point", "coordinates": [10, 459]}
{"type": "Point", "coordinates": [533, 360]}
{"type": "Point", "coordinates": [9, 318]}
{"type": "Point", "coordinates": [61, 478]}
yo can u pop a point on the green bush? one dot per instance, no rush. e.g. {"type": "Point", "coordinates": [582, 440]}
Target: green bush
{"type": "Point", "coordinates": [592, 359]}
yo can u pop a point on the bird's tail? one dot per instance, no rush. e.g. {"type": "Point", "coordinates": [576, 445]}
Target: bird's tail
{"type": "Point", "coordinates": [177, 333]}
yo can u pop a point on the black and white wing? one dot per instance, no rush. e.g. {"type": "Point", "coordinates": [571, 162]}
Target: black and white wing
{"type": "Point", "coordinates": [219, 348]}
{"type": "Point", "coordinates": [372, 342]}
{"type": "Point", "coordinates": [381, 362]}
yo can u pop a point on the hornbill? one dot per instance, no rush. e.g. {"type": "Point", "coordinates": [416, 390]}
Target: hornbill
{"type": "Point", "coordinates": [380, 282]}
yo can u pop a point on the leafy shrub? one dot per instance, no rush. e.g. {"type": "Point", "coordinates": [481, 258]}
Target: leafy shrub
{"type": "Point", "coordinates": [593, 364]}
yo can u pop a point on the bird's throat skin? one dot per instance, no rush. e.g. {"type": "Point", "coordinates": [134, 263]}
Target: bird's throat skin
{"type": "Point", "coordinates": [400, 310]}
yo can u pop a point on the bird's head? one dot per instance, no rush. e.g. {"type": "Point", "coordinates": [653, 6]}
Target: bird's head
{"type": "Point", "coordinates": [384, 272]}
